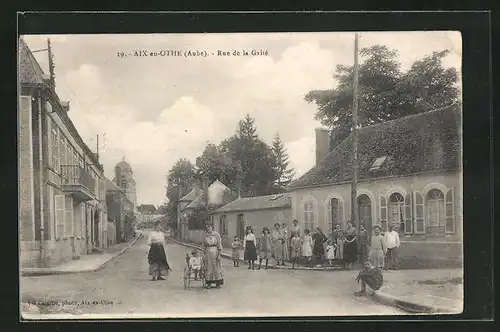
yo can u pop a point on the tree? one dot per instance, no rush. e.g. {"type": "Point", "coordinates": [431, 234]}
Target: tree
{"type": "Point", "coordinates": [251, 160]}
{"type": "Point", "coordinates": [284, 174]}
{"type": "Point", "coordinates": [180, 178]}
{"type": "Point", "coordinates": [385, 93]}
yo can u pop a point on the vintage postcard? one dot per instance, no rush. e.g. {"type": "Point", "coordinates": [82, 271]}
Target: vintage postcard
{"type": "Point", "coordinates": [240, 175]}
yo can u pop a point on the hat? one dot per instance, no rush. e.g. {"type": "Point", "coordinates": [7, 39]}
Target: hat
{"type": "Point", "coordinates": [376, 226]}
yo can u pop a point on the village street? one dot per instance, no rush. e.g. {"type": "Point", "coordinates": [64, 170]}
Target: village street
{"type": "Point", "coordinates": [123, 287]}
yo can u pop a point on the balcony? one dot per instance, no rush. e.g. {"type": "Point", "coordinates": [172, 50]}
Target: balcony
{"type": "Point", "coordinates": [78, 182]}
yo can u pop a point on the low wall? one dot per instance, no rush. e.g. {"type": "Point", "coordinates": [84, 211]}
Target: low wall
{"type": "Point", "coordinates": [196, 235]}
{"type": "Point", "coordinates": [428, 254]}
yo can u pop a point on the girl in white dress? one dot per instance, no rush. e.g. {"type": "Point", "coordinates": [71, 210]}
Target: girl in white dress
{"type": "Point", "coordinates": [330, 252]}
{"type": "Point", "coordinates": [307, 247]}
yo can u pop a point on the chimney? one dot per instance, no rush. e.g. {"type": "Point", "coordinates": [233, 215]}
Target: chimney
{"type": "Point", "coordinates": [322, 144]}
{"type": "Point", "coordinates": [65, 106]}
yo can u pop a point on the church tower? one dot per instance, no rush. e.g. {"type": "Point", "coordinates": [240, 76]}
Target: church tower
{"type": "Point", "coordinates": [124, 178]}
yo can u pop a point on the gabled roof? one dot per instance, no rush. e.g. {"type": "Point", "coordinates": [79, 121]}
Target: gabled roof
{"type": "Point", "coordinates": [199, 202]}
{"type": "Point", "coordinates": [257, 203]}
{"type": "Point", "coordinates": [192, 195]}
{"type": "Point", "coordinates": [30, 71]}
{"type": "Point", "coordinates": [146, 208]}
{"type": "Point", "coordinates": [424, 142]}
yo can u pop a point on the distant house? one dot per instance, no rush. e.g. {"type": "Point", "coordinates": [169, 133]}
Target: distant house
{"type": "Point", "coordinates": [409, 174]}
{"type": "Point", "coordinates": [262, 211]}
{"type": "Point", "coordinates": [146, 209]}
{"type": "Point", "coordinates": [198, 202]}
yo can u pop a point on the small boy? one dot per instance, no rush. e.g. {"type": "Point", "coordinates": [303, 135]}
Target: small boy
{"type": "Point", "coordinates": [235, 255]}
{"type": "Point", "coordinates": [195, 264]}
{"type": "Point", "coordinates": [370, 276]}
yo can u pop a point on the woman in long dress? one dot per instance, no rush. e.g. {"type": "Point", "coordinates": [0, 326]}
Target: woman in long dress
{"type": "Point", "coordinates": [250, 245]}
{"type": "Point", "coordinates": [350, 247]}
{"type": "Point", "coordinates": [157, 257]}
{"type": "Point", "coordinates": [265, 249]}
{"type": "Point", "coordinates": [295, 230]}
{"type": "Point", "coordinates": [212, 247]}
{"type": "Point", "coordinates": [277, 241]}
{"type": "Point", "coordinates": [286, 250]}
{"type": "Point", "coordinates": [319, 239]}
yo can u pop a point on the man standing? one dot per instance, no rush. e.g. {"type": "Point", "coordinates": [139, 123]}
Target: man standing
{"type": "Point", "coordinates": [392, 242]}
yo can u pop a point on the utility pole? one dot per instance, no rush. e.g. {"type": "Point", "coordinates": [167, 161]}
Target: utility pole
{"type": "Point", "coordinates": [354, 196]}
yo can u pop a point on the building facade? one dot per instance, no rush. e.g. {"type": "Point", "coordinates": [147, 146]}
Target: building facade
{"type": "Point", "coordinates": [62, 214]}
{"type": "Point", "coordinates": [410, 175]}
{"type": "Point", "coordinates": [258, 212]}
{"type": "Point", "coordinates": [119, 209]}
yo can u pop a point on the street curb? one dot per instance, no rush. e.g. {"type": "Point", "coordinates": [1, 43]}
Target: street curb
{"type": "Point", "coordinates": [274, 267]}
{"type": "Point", "coordinates": [118, 254]}
{"type": "Point", "coordinates": [406, 305]}
{"type": "Point", "coordinates": [56, 272]}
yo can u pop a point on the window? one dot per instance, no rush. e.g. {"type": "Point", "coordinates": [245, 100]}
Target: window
{"type": "Point", "coordinates": [419, 214]}
{"type": "Point", "coordinates": [59, 202]}
{"type": "Point", "coordinates": [436, 215]}
{"type": "Point", "coordinates": [223, 226]}
{"type": "Point", "coordinates": [63, 150]}
{"type": "Point", "coordinates": [308, 215]}
{"type": "Point", "coordinates": [408, 222]}
{"type": "Point", "coordinates": [334, 208]}
{"type": "Point", "coordinates": [68, 230]}
{"type": "Point", "coordinates": [383, 209]}
{"type": "Point", "coordinates": [396, 209]}
{"type": "Point", "coordinates": [55, 149]}
{"type": "Point", "coordinates": [450, 212]}
{"type": "Point", "coordinates": [378, 163]}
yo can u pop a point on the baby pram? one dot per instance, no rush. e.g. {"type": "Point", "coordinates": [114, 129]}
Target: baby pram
{"type": "Point", "coordinates": [190, 274]}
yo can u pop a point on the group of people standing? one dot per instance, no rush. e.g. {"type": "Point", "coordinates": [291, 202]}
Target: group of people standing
{"type": "Point", "coordinates": [344, 245]}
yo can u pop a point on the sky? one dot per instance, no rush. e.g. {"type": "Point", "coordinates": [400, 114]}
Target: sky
{"type": "Point", "coordinates": [155, 110]}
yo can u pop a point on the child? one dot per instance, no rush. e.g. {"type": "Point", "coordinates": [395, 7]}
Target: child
{"type": "Point", "coordinates": [236, 245]}
{"type": "Point", "coordinates": [307, 247]}
{"type": "Point", "coordinates": [330, 252]}
{"type": "Point", "coordinates": [295, 244]}
{"type": "Point", "coordinates": [195, 264]}
{"type": "Point", "coordinates": [265, 250]}
{"type": "Point", "coordinates": [370, 276]}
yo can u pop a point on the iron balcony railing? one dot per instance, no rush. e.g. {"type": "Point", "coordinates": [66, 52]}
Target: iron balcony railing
{"type": "Point", "coordinates": [77, 175]}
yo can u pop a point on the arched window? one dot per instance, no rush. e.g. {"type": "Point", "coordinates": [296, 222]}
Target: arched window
{"type": "Point", "coordinates": [335, 213]}
{"type": "Point", "coordinates": [308, 215]}
{"type": "Point", "coordinates": [396, 210]}
{"type": "Point", "coordinates": [436, 212]}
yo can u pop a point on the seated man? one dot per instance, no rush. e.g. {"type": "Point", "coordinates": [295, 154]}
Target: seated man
{"type": "Point", "coordinates": [195, 264]}
{"type": "Point", "coordinates": [370, 276]}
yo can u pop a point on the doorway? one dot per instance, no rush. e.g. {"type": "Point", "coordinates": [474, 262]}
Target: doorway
{"type": "Point", "coordinates": [240, 228]}
{"type": "Point", "coordinates": [365, 211]}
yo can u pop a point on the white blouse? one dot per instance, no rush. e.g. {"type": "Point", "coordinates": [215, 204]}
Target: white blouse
{"type": "Point", "coordinates": [248, 237]}
{"type": "Point", "coordinates": [156, 237]}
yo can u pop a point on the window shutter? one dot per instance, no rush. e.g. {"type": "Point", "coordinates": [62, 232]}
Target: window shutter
{"type": "Point", "coordinates": [419, 213]}
{"type": "Point", "coordinates": [450, 211]}
{"type": "Point", "coordinates": [408, 214]}
{"type": "Point", "coordinates": [383, 208]}
{"type": "Point", "coordinates": [69, 217]}
{"type": "Point", "coordinates": [59, 215]}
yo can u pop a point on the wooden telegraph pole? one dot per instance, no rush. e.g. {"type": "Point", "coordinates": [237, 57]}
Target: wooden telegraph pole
{"type": "Point", "coordinates": [354, 200]}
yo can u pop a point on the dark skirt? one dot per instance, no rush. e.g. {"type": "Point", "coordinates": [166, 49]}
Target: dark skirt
{"type": "Point", "coordinates": [250, 251]}
{"type": "Point", "coordinates": [350, 251]}
{"type": "Point", "coordinates": [157, 260]}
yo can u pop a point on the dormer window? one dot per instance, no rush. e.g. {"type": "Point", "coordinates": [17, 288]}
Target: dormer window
{"type": "Point", "coordinates": [378, 163]}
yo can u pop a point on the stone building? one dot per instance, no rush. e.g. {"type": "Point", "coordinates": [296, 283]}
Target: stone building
{"type": "Point", "coordinates": [410, 174]}
{"type": "Point", "coordinates": [124, 178]}
{"type": "Point", "coordinates": [62, 214]}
